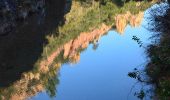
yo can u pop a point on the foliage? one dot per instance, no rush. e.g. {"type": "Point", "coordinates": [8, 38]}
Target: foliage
{"type": "Point", "coordinates": [135, 38]}
{"type": "Point", "coordinates": [85, 17]}
{"type": "Point", "coordinates": [140, 95]}
{"type": "Point", "coordinates": [159, 51]}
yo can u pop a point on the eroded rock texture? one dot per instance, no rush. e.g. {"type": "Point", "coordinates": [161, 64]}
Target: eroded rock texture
{"type": "Point", "coordinates": [123, 19]}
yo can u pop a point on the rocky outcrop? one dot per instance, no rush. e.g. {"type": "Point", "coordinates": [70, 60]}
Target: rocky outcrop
{"type": "Point", "coordinates": [67, 48]}
{"type": "Point", "coordinates": [71, 48]}
{"type": "Point", "coordinates": [75, 58]}
{"type": "Point", "coordinates": [135, 20]}
{"type": "Point", "coordinates": [23, 88]}
{"type": "Point", "coordinates": [121, 23]}
{"type": "Point", "coordinates": [122, 20]}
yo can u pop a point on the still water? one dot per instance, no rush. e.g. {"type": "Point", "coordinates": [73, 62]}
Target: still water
{"type": "Point", "coordinates": [101, 73]}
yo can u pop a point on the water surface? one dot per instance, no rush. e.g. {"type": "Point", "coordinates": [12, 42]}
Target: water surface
{"type": "Point", "coordinates": [101, 73]}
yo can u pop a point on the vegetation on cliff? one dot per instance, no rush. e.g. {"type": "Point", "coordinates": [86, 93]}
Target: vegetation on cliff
{"type": "Point", "coordinates": [86, 17]}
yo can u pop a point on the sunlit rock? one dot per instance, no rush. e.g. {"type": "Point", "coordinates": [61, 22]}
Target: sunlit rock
{"type": "Point", "coordinates": [85, 45]}
{"type": "Point", "coordinates": [39, 87]}
{"type": "Point", "coordinates": [44, 69]}
{"type": "Point", "coordinates": [17, 97]}
{"type": "Point", "coordinates": [122, 20]}
{"type": "Point", "coordinates": [67, 48]}
{"type": "Point", "coordinates": [136, 20]}
{"type": "Point", "coordinates": [37, 76]}
{"type": "Point", "coordinates": [51, 58]}
{"type": "Point", "coordinates": [75, 59]}
{"type": "Point", "coordinates": [58, 65]}
{"type": "Point", "coordinates": [121, 23]}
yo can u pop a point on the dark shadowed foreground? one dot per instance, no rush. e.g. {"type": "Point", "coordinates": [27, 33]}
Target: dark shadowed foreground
{"type": "Point", "coordinates": [21, 48]}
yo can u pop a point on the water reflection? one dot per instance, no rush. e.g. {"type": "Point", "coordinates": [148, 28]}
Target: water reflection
{"type": "Point", "coordinates": [123, 19]}
{"type": "Point", "coordinates": [45, 77]}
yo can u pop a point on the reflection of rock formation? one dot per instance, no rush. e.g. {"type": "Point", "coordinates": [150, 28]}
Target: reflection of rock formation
{"type": "Point", "coordinates": [123, 19]}
{"type": "Point", "coordinates": [23, 88]}
{"type": "Point", "coordinates": [72, 47]}
{"type": "Point", "coordinates": [75, 58]}
{"type": "Point", "coordinates": [41, 76]}
{"type": "Point", "coordinates": [136, 20]}
{"type": "Point", "coordinates": [30, 84]}
{"type": "Point", "coordinates": [83, 40]}
{"type": "Point", "coordinates": [67, 48]}
{"type": "Point", "coordinates": [121, 23]}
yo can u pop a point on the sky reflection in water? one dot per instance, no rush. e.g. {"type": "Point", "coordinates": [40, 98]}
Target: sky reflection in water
{"type": "Point", "coordinates": [101, 74]}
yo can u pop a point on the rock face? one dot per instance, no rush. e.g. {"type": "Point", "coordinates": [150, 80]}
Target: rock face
{"type": "Point", "coordinates": [136, 20]}
{"type": "Point", "coordinates": [123, 19]}
{"type": "Point", "coordinates": [71, 48]}
{"type": "Point", "coordinates": [121, 23]}
{"type": "Point", "coordinates": [14, 10]}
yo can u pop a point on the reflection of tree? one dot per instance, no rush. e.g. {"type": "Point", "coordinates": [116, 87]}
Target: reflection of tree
{"type": "Point", "coordinates": [143, 80]}
{"type": "Point", "coordinates": [52, 81]}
